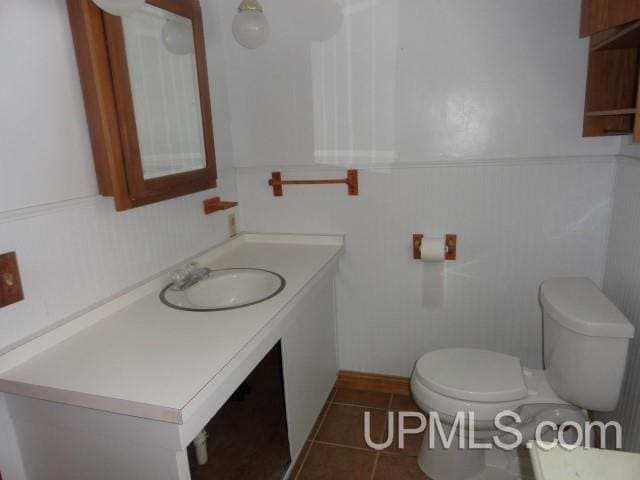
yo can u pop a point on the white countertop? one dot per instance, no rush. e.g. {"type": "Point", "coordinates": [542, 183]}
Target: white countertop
{"type": "Point", "coordinates": [149, 360]}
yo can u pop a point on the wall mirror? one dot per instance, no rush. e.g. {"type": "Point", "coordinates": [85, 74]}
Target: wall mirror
{"type": "Point", "coordinates": [146, 92]}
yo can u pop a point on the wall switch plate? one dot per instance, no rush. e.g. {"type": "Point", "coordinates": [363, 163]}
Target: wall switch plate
{"type": "Point", "coordinates": [10, 284]}
{"type": "Point", "coordinates": [233, 229]}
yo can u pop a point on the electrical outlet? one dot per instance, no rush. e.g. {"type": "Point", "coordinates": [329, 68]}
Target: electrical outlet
{"type": "Point", "coordinates": [10, 284]}
{"type": "Point", "coordinates": [231, 221]}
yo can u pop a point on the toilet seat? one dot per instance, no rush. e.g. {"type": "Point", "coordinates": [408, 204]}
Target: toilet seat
{"type": "Point", "coordinates": [477, 375]}
{"type": "Point", "coordinates": [448, 407]}
{"type": "Point", "coordinates": [473, 375]}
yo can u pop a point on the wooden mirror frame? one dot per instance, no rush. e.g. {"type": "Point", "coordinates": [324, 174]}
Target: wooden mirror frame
{"type": "Point", "coordinates": [100, 50]}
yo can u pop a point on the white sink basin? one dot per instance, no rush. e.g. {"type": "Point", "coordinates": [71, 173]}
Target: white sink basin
{"type": "Point", "coordinates": [225, 290]}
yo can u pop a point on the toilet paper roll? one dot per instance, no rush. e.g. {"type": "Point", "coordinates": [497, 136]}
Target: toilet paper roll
{"type": "Point", "coordinates": [432, 249]}
{"type": "Point", "coordinates": [432, 252]}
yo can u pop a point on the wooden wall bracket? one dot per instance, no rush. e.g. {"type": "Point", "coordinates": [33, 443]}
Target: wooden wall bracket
{"type": "Point", "coordinates": [450, 241]}
{"type": "Point", "coordinates": [10, 284]}
{"type": "Point", "coordinates": [351, 181]}
{"type": "Point", "coordinates": [212, 205]}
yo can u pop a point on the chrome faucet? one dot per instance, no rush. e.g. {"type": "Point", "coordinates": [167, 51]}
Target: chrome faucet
{"type": "Point", "coordinates": [188, 276]}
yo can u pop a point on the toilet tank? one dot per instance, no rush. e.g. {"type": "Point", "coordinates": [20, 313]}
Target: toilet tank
{"type": "Point", "coordinates": [586, 339]}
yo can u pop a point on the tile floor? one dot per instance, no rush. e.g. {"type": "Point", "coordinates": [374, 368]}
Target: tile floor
{"type": "Point", "coordinates": [336, 449]}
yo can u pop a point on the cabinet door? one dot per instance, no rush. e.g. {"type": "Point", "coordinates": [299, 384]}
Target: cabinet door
{"type": "Point", "coordinates": [309, 358]}
{"type": "Point", "coordinates": [146, 91]}
{"type": "Point", "coordinates": [599, 15]}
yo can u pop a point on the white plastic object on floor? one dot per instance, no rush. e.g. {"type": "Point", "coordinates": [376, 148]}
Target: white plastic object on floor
{"type": "Point", "coordinates": [586, 464]}
{"type": "Point", "coordinates": [200, 442]}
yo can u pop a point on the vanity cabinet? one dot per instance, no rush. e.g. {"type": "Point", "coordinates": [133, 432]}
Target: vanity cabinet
{"type": "Point", "coordinates": [310, 364]}
{"type": "Point", "coordinates": [611, 103]}
{"type": "Point", "coordinates": [69, 432]}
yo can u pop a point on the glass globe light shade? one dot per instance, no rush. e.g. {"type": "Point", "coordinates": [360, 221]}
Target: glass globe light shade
{"type": "Point", "coordinates": [121, 8]}
{"type": "Point", "coordinates": [178, 37]}
{"type": "Point", "coordinates": [250, 28]}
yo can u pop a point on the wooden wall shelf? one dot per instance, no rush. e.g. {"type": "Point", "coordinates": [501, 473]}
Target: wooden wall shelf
{"type": "Point", "coordinates": [627, 36]}
{"type": "Point", "coordinates": [601, 15]}
{"type": "Point", "coordinates": [212, 205]}
{"type": "Point", "coordinates": [612, 83]}
{"type": "Point", "coordinates": [351, 181]}
{"type": "Point", "coordinates": [606, 113]}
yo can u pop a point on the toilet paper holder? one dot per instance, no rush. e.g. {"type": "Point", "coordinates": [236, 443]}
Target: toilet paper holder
{"type": "Point", "coordinates": [450, 246]}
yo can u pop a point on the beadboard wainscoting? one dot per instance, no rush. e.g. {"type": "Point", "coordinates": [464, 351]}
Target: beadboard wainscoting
{"type": "Point", "coordinates": [77, 253]}
{"type": "Point", "coordinates": [622, 285]}
{"type": "Point", "coordinates": [518, 223]}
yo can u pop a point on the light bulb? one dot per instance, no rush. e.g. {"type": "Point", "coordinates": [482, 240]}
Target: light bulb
{"type": "Point", "coordinates": [121, 8]}
{"type": "Point", "coordinates": [250, 26]}
{"type": "Point", "coordinates": [178, 37]}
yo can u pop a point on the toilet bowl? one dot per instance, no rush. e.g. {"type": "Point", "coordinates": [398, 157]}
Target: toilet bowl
{"type": "Point", "coordinates": [585, 347]}
{"type": "Point", "coordinates": [494, 383]}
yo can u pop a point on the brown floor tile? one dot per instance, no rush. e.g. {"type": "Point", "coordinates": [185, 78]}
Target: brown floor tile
{"type": "Point", "coordinates": [403, 403]}
{"type": "Point", "coordinates": [318, 421]}
{"type": "Point", "coordinates": [397, 467]}
{"type": "Point", "coordinates": [362, 398]}
{"type": "Point", "coordinates": [344, 425]}
{"type": "Point", "coordinates": [412, 442]}
{"type": "Point", "coordinates": [328, 462]}
{"type": "Point", "coordinates": [301, 458]}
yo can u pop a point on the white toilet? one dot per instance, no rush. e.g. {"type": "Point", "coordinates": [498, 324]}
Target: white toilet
{"type": "Point", "coordinates": [585, 349]}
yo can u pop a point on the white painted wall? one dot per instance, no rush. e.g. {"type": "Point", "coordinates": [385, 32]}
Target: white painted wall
{"type": "Point", "coordinates": [488, 95]}
{"type": "Point", "coordinates": [518, 224]}
{"type": "Point", "coordinates": [410, 81]}
{"type": "Point", "coordinates": [622, 284]}
{"type": "Point", "coordinates": [45, 155]}
{"type": "Point", "coordinates": [74, 249]}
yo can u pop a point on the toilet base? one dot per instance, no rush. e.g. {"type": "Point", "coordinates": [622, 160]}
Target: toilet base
{"type": "Point", "coordinates": [439, 463]}
{"type": "Point", "coordinates": [492, 473]}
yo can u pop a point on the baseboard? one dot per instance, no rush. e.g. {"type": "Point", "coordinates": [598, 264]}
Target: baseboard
{"type": "Point", "coordinates": [373, 382]}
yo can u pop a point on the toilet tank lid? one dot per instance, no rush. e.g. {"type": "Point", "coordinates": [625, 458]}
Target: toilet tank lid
{"type": "Point", "coordinates": [579, 305]}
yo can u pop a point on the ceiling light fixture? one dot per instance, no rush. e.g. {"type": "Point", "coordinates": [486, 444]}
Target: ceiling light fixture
{"type": "Point", "coordinates": [250, 26]}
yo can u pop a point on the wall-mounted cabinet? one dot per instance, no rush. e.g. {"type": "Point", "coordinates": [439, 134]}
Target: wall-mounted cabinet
{"type": "Point", "coordinates": [611, 104]}
{"type": "Point", "coordinates": [146, 93]}
{"type": "Point", "coordinates": [600, 15]}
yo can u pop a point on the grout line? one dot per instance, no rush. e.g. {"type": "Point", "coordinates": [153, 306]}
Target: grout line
{"type": "Point", "coordinates": [315, 434]}
{"type": "Point", "coordinates": [334, 391]}
{"type": "Point", "coordinates": [313, 439]}
{"type": "Point", "coordinates": [328, 404]}
{"type": "Point", "coordinates": [385, 409]}
{"type": "Point", "coordinates": [304, 459]}
{"type": "Point", "coordinates": [386, 431]}
{"type": "Point", "coordinates": [331, 444]}
{"type": "Point", "coordinates": [375, 466]}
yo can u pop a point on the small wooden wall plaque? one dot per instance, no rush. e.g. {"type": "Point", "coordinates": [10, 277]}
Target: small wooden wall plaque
{"type": "Point", "coordinates": [10, 283]}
